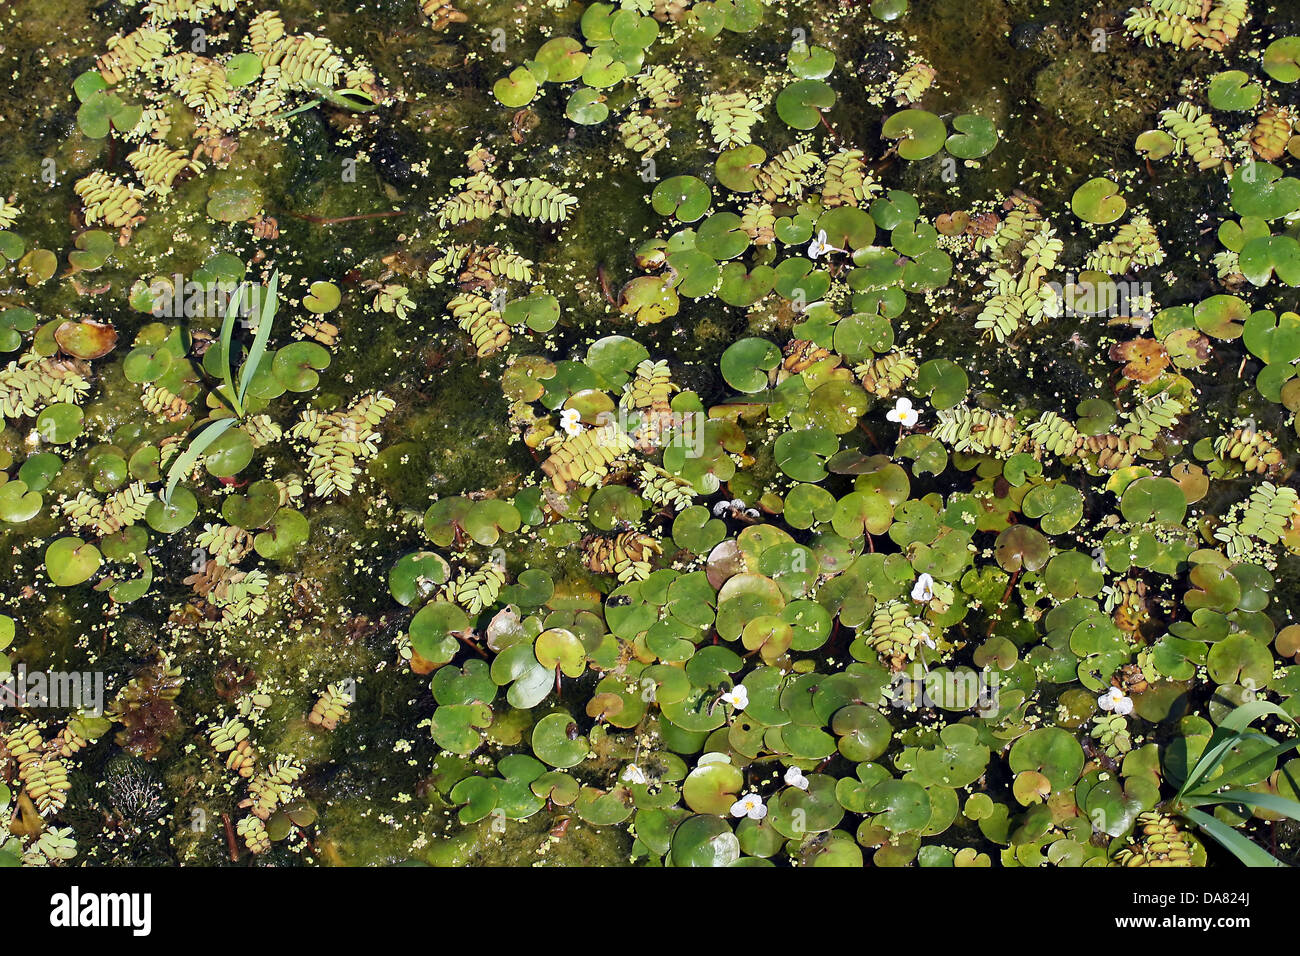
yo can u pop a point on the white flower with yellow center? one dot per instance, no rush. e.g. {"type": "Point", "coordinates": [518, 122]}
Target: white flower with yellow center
{"type": "Point", "coordinates": [750, 805]}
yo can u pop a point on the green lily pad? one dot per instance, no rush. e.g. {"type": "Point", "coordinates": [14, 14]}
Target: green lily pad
{"type": "Point", "coordinates": [71, 561]}
{"type": "Point", "coordinates": [1098, 201]}
{"type": "Point", "coordinates": [976, 136]}
{"type": "Point", "coordinates": [920, 133]}
{"type": "Point", "coordinates": [295, 366]}
{"type": "Point", "coordinates": [801, 104]}
{"type": "Point", "coordinates": [322, 297]}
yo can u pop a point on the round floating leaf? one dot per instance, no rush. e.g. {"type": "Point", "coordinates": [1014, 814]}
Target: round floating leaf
{"type": "Point", "coordinates": [1231, 90]}
{"type": "Point", "coordinates": [587, 107]}
{"type": "Point", "coordinates": [229, 454]}
{"type": "Point", "coordinates": [295, 366]}
{"type": "Point", "coordinates": [746, 362]}
{"type": "Point", "coordinates": [1221, 316]}
{"type": "Point", "coordinates": [59, 423]}
{"type": "Point", "coordinates": [517, 89]}
{"type": "Point", "coordinates": [234, 202]}
{"type": "Point", "coordinates": [86, 340]}
{"type": "Point", "coordinates": [704, 840]}
{"type": "Point", "coordinates": [538, 312]}
{"type": "Point", "coordinates": [1050, 751]}
{"type": "Point", "coordinates": [736, 168]}
{"type": "Point", "coordinates": [563, 58]}
{"type": "Point", "coordinates": [433, 631]}
{"type": "Point", "coordinates": [1260, 189]}
{"type": "Point", "coordinates": [288, 532]}
{"type": "Point", "coordinates": [976, 136]}
{"type": "Point", "coordinates": [1281, 59]}
{"type": "Point", "coordinates": [920, 134]}
{"type": "Point", "coordinates": [801, 104]}
{"type": "Point", "coordinates": [556, 741]}
{"type": "Point", "coordinates": [71, 561]}
{"type": "Point", "coordinates": [802, 454]}
{"type": "Point", "coordinates": [1153, 499]}
{"type": "Point", "coordinates": [415, 576]}
{"type": "Point", "coordinates": [810, 62]}
{"type": "Point", "coordinates": [243, 68]}
{"type": "Point", "coordinates": [1021, 547]}
{"type": "Point", "coordinates": [684, 197]}
{"type": "Point", "coordinates": [322, 297]}
{"type": "Point", "coordinates": [1098, 201]}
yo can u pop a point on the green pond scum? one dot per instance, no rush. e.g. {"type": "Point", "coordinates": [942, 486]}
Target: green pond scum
{"type": "Point", "coordinates": [649, 432]}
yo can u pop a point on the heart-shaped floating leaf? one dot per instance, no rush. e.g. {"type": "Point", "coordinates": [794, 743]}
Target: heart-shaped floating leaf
{"type": "Point", "coordinates": [517, 89]}
{"type": "Point", "coordinates": [737, 168]}
{"type": "Point", "coordinates": [686, 198]}
{"type": "Point", "coordinates": [1154, 144]}
{"type": "Point", "coordinates": [746, 363]}
{"type": "Point", "coordinates": [1260, 189]}
{"type": "Point", "coordinates": [919, 132]}
{"type": "Point", "coordinates": [243, 68]}
{"type": "Point", "coordinates": [322, 297]}
{"type": "Point", "coordinates": [976, 136]}
{"type": "Point", "coordinates": [70, 561]}
{"type": "Point", "coordinates": [1260, 258]}
{"type": "Point", "coordinates": [810, 62]}
{"type": "Point", "coordinates": [563, 58]}
{"type": "Point", "coordinates": [93, 249]}
{"type": "Point", "coordinates": [295, 366]}
{"type": "Point", "coordinates": [14, 322]}
{"type": "Point", "coordinates": [1281, 59]}
{"type": "Point", "coordinates": [801, 104]}
{"type": "Point", "coordinates": [1098, 201]}
{"type": "Point", "coordinates": [587, 107]}
{"type": "Point", "coordinates": [1273, 339]}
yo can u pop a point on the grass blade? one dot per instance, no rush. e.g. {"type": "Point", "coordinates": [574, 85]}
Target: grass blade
{"type": "Point", "coordinates": [266, 315]}
{"type": "Point", "coordinates": [187, 459]}
{"type": "Point", "coordinates": [1245, 850]}
{"type": "Point", "coordinates": [1251, 799]}
{"type": "Point", "coordinates": [227, 331]}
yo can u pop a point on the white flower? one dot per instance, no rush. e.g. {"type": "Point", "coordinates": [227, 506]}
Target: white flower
{"type": "Point", "coordinates": [923, 590]}
{"type": "Point", "coordinates": [750, 805]}
{"type": "Point", "coordinates": [633, 774]}
{"type": "Point", "coordinates": [721, 508]}
{"type": "Point", "coordinates": [904, 413]}
{"type": "Point", "coordinates": [819, 246]}
{"type": "Point", "coordinates": [737, 697]}
{"type": "Point", "coordinates": [795, 778]}
{"type": "Point", "coordinates": [1114, 700]}
{"type": "Point", "coordinates": [571, 421]}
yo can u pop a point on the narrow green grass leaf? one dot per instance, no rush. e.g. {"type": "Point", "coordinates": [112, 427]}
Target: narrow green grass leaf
{"type": "Point", "coordinates": [1246, 851]}
{"type": "Point", "coordinates": [266, 316]}
{"type": "Point", "coordinates": [187, 459]}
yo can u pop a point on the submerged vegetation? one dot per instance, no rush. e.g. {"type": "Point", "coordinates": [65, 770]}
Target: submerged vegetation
{"type": "Point", "coordinates": [661, 432]}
